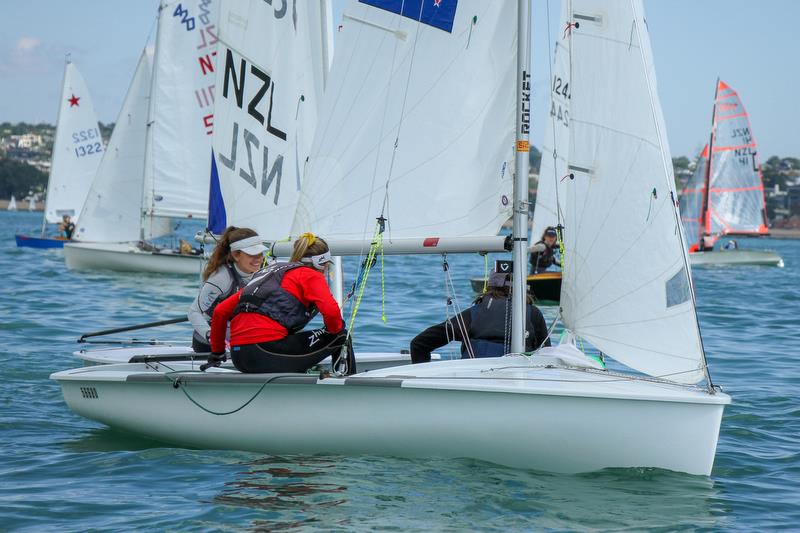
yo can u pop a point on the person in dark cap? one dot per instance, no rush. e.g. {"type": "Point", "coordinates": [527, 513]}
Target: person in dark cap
{"type": "Point", "coordinates": [543, 253]}
{"type": "Point", "coordinates": [484, 329]}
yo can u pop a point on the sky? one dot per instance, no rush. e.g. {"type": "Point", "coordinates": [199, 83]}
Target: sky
{"type": "Point", "coordinates": [750, 44]}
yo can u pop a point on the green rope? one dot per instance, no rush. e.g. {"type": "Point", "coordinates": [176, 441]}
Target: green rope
{"type": "Point", "coordinates": [383, 285]}
{"type": "Point", "coordinates": [377, 243]}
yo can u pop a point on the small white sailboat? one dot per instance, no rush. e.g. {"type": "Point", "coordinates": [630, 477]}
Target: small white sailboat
{"type": "Point", "coordinates": [77, 151]}
{"type": "Point", "coordinates": [12, 204]}
{"type": "Point", "coordinates": [157, 167]}
{"type": "Point", "coordinates": [531, 411]}
{"type": "Point", "coordinates": [725, 195]}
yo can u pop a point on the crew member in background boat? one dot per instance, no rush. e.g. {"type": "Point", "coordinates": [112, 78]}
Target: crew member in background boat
{"type": "Point", "coordinates": [266, 317]}
{"type": "Point", "coordinates": [238, 255]}
{"type": "Point", "coordinates": [66, 227]}
{"type": "Point", "coordinates": [543, 253]}
{"type": "Point", "coordinates": [730, 245]}
{"type": "Point", "coordinates": [487, 323]}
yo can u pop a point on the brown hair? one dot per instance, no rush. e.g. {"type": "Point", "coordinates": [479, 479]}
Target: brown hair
{"type": "Point", "coordinates": [222, 252]}
{"type": "Point", "coordinates": [307, 245]}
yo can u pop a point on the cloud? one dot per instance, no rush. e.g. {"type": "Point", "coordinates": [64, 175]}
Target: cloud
{"type": "Point", "coordinates": [27, 45]}
{"type": "Point", "coordinates": [30, 56]}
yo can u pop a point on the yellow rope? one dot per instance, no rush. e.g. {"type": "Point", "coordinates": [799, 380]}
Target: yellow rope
{"type": "Point", "coordinates": [377, 243]}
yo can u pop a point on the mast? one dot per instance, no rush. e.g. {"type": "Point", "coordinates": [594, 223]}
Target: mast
{"type": "Point", "coordinates": [58, 122]}
{"type": "Point", "coordinates": [704, 213]}
{"type": "Point", "coordinates": [148, 143]}
{"type": "Point", "coordinates": [522, 147]}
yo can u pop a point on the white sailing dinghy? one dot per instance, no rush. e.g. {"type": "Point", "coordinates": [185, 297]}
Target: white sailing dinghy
{"type": "Point", "coordinates": [540, 411]}
{"type": "Point", "coordinates": [12, 204]}
{"type": "Point", "coordinates": [77, 151]}
{"type": "Point", "coordinates": [296, 54]}
{"type": "Point", "coordinates": [170, 180]}
{"type": "Point", "coordinates": [725, 195]}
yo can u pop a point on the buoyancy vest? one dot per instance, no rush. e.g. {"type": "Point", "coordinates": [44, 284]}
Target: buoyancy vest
{"type": "Point", "coordinates": [237, 282]}
{"type": "Point", "coordinates": [543, 260]}
{"type": "Point", "coordinates": [264, 295]}
{"type": "Point", "coordinates": [490, 322]}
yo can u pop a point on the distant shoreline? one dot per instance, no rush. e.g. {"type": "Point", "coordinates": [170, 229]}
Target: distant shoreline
{"type": "Point", "coordinates": [784, 233]}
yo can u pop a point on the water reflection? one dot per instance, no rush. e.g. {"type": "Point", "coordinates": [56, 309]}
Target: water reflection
{"type": "Point", "coordinates": [295, 492]}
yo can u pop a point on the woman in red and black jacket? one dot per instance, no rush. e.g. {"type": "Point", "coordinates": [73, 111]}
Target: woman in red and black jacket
{"type": "Point", "coordinates": [267, 315]}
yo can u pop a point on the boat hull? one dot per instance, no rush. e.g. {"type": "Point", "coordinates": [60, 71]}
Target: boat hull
{"type": "Point", "coordinates": [126, 257]}
{"type": "Point", "coordinates": [26, 241]}
{"type": "Point", "coordinates": [736, 257]}
{"type": "Point", "coordinates": [540, 427]}
{"type": "Point", "coordinates": [546, 287]}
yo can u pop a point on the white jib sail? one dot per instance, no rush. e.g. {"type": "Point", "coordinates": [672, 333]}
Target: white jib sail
{"type": "Point", "coordinates": [555, 145]}
{"type": "Point", "coordinates": [181, 112]}
{"type": "Point", "coordinates": [112, 212]}
{"type": "Point", "coordinates": [272, 63]}
{"type": "Point", "coordinates": [626, 286]}
{"type": "Point", "coordinates": [77, 150]}
{"type": "Point", "coordinates": [439, 84]}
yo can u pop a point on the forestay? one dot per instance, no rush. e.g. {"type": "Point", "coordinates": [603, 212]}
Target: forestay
{"type": "Point", "coordinates": [181, 110]}
{"type": "Point", "coordinates": [112, 212]}
{"type": "Point", "coordinates": [77, 149]}
{"type": "Point", "coordinates": [418, 122]}
{"type": "Point", "coordinates": [626, 283]}
{"type": "Point", "coordinates": [736, 191]}
{"type": "Point", "coordinates": [553, 172]}
{"type": "Point", "coordinates": [272, 62]}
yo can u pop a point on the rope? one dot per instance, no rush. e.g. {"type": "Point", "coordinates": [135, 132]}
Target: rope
{"type": "Point", "coordinates": [176, 383]}
{"type": "Point", "coordinates": [450, 293]}
{"type": "Point", "coordinates": [361, 282]}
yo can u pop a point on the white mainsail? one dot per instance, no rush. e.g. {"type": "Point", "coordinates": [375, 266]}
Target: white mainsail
{"type": "Point", "coordinates": [77, 150]}
{"type": "Point", "coordinates": [181, 110]}
{"type": "Point", "coordinates": [626, 286]}
{"type": "Point", "coordinates": [12, 204]}
{"type": "Point", "coordinates": [418, 123]}
{"type": "Point", "coordinates": [553, 170]}
{"type": "Point", "coordinates": [272, 63]}
{"type": "Point", "coordinates": [112, 212]}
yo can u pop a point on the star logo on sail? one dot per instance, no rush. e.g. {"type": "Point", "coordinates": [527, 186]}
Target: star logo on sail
{"type": "Point", "coordinates": [73, 102]}
{"type": "Point", "coordinates": [437, 2]}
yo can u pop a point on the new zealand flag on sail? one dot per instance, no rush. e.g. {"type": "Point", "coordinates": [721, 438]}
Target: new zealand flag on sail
{"type": "Point", "coordinates": [436, 13]}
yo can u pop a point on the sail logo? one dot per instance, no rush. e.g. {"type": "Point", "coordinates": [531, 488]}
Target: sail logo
{"type": "Point", "coordinates": [436, 13]}
{"type": "Point", "coordinates": [254, 167]}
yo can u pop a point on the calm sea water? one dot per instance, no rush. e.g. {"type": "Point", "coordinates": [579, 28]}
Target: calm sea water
{"type": "Point", "coordinates": [62, 472]}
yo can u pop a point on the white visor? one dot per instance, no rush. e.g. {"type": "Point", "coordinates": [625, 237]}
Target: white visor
{"type": "Point", "coordinates": [319, 261]}
{"type": "Point", "coordinates": [251, 245]}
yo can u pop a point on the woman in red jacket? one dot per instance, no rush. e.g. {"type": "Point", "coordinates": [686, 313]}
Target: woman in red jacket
{"type": "Point", "coordinates": [268, 314]}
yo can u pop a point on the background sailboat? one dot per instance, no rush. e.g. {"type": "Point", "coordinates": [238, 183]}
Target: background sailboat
{"type": "Point", "coordinates": [531, 412]}
{"type": "Point", "coordinates": [157, 169]}
{"type": "Point", "coordinates": [725, 195]}
{"type": "Point", "coordinates": [77, 151]}
{"type": "Point", "coordinates": [12, 204]}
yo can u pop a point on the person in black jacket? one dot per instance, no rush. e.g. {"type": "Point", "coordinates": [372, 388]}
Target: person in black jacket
{"type": "Point", "coordinates": [543, 253]}
{"type": "Point", "coordinates": [487, 325]}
